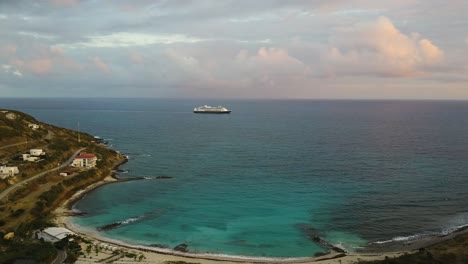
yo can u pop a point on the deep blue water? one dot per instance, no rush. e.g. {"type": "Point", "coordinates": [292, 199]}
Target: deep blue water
{"type": "Point", "coordinates": [247, 183]}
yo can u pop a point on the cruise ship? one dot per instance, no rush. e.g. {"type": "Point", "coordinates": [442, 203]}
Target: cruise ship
{"type": "Point", "coordinates": [206, 109]}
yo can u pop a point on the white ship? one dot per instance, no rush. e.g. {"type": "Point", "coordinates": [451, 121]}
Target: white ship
{"type": "Point", "coordinates": [206, 109]}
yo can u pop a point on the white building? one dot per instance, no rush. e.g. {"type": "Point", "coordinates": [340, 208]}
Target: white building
{"type": "Point", "coordinates": [28, 157]}
{"type": "Point", "coordinates": [36, 152]}
{"type": "Point", "coordinates": [85, 160]}
{"type": "Point", "coordinates": [33, 126]}
{"type": "Point", "coordinates": [6, 172]}
{"type": "Point", "coordinates": [53, 234]}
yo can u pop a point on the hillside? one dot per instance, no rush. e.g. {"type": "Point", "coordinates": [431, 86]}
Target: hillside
{"type": "Point", "coordinates": [29, 195]}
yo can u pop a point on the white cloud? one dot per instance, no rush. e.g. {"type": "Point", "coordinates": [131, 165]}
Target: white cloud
{"type": "Point", "coordinates": [3, 16]}
{"type": "Point", "coordinates": [127, 39]}
{"type": "Point", "coordinates": [18, 73]}
{"type": "Point", "coordinates": [6, 67]}
{"type": "Point", "coordinates": [9, 69]}
{"type": "Point", "coordinates": [36, 35]}
{"type": "Point", "coordinates": [264, 41]}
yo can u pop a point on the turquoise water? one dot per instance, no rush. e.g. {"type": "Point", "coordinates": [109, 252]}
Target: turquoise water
{"type": "Point", "coordinates": [253, 182]}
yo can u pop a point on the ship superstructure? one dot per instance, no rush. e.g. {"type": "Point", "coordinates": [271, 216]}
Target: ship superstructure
{"type": "Point", "coordinates": [206, 109]}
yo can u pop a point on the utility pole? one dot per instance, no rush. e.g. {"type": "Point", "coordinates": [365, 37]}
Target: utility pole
{"type": "Point", "coordinates": [79, 139]}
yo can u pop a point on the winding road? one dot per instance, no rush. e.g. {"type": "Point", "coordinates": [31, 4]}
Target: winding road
{"type": "Point", "coordinates": [14, 186]}
{"type": "Point", "coordinates": [61, 257]}
{"type": "Point", "coordinates": [17, 144]}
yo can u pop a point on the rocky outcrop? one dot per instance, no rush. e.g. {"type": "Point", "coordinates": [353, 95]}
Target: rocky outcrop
{"type": "Point", "coordinates": [182, 247]}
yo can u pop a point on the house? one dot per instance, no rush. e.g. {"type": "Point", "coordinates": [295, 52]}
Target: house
{"type": "Point", "coordinates": [53, 234]}
{"type": "Point", "coordinates": [6, 172]}
{"type": "Point", "coordinates": [33, 126]}
{"type": "Point", "coordinates": [64, 174]}
{"type": "Point", "coordinates": [36, 152]}
{"type": "Point", "coordinates": [85, 160]}
{"type": "Point", "coordinates": [28, 157]}
{"type": "Point", "coordinates": [9, 236]}
{"type": "Point", "coordinates": [33, 155]}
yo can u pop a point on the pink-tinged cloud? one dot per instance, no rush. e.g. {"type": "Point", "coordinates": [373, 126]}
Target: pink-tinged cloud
{"type": "Point", "coordinates": [101, 65]}
{"type": "Point", "coordinates": [39, 66]}
{"type": "Point", "coordinates": [64, 3]}
{"type": "Point", "coordinates": [48, 61]}
{"type": "Point", "coordinates": [8, 50]}
{"type": "Point", "coordinates": [466, 40]}
{"type": "Point", "coordinates": [270, 65]}
{"type": "Point", "coordinates": [136, 58]}
{"type": "Point", "coordinates": [265, 72]}
{"type": "Point", "coordinates": [380, 48]}
{"type": "Point", "coordinates": [57, 51]}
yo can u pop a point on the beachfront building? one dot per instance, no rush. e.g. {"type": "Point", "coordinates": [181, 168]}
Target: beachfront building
{"type": "Point", "coordinates": [6, 172]}
{"type": "Point", "coordinates": [53, 234]}
{"type": "Point", "coordinates": [85, 160]}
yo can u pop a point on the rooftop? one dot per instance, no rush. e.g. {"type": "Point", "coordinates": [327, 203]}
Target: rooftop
{"type": "Point", "coordinates": [84, 155]}
{"type": "Point", "coordinates": [58, 232]}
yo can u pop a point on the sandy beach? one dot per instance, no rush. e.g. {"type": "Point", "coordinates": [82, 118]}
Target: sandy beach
{"type": "Point", "coordinates": [156, 255]}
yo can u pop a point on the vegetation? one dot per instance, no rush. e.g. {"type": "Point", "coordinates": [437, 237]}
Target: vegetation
{"type": "Point", "coordinates": [6, 132]}
{"type": "Point", "coordinates": [38, 251]}
{"type": "Point", "coordinates": [29, 207]}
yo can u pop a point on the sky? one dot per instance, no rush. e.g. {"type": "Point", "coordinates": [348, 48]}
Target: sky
{"type": "Point", "coordinates": [317, 49]}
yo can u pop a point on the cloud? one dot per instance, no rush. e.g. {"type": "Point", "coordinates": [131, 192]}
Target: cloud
{"type": "Point", "coordinates": [268, 70]}
{"type": "Point", "coordinates": [466, 40]}
{"type": "Point", "coordinates": [136, 58]}
{"type": "Point", "coordinates": [17, 73]}
{"type": "Point", "coordinates": [233, 48]}
{"type": "Point", "coordinates": [379, 48]}
{"type": "Point", "coordinates": [64, 3]}
{"type": "Point", "coordinates": [44, 62]}
{"type": "Point", "coordinates": [101, 65]}
{"type": "Point", "coordinates": [37, 35]}
{"type": "Point", "coordinates": [8, 50]}
{"type": "Point", "coordinates": [39, 66]}
{"type": "Point", "coordinates": [9, 69]}
{"type": "Point", "coordinates": [127, 39]}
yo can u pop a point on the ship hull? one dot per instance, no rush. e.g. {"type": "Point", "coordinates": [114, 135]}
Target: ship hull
{"type": "Point", "coordinates": [212, 112]}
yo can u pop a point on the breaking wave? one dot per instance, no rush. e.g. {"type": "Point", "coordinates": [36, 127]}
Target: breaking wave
{"type": "Point", "coordinates": [120, 223]}
{"type": "Point", "coordinates": [416, 237]}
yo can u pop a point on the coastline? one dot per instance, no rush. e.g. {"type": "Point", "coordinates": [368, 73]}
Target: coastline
{"type": "Point", "coordinates": [158, 255]}
{"type": "Point", "coordinates": [375, 251]}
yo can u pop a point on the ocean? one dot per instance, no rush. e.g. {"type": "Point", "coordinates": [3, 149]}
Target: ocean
{"type": "Point", "coordinates": [265, 179]}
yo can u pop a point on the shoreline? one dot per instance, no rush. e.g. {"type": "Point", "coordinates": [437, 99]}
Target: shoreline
{"type": "Point", "coordinates": [158, 255]}
{"type": "Point", "coordinates": [63, 213]}
{"type": "Point", "coordinates": [374, 251]}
